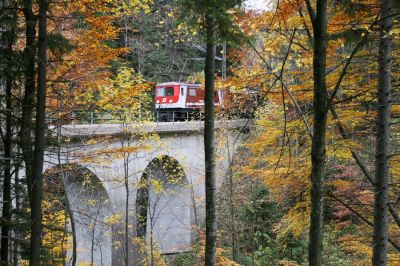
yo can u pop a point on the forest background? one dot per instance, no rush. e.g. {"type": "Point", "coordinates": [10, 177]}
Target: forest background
{"type": "Point", "coordinates": [75, 60]}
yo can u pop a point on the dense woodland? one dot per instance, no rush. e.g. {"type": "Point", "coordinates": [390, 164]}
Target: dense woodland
{"type": "Point", "coordinates": [316, 178]}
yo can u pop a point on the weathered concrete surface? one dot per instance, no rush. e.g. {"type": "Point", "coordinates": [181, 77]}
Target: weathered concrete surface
{"type": "Point", "coordinates": [159, 127]}
{"type": "Point", "coordinates": [173, 213]}
{"type": "Point", "coordinates": [90, 204]}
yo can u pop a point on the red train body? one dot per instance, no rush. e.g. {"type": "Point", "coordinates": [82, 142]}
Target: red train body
{"type": "Point", "coordinates": [180, 101]}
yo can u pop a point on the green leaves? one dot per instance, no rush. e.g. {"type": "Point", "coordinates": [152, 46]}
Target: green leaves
{"type": "Point", "coordinates": [223, 13]}
{"type": "Point", "coordinates": [58, 44]}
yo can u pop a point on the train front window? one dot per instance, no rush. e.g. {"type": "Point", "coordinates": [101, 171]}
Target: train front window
{"type": "Point", "coordinates": [167, 91]}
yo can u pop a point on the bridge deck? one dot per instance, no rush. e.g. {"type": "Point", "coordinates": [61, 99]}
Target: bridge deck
{"type": "Point", "coordinates": [96, 130]}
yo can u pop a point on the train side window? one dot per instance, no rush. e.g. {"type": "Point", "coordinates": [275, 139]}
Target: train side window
{"type": "Point", "coordinates": [182, 91]}
{"type": "Point", "coordinates": [192, 92]}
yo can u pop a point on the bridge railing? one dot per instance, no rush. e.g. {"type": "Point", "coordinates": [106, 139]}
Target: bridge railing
{"type": "Point", "coordinates": [88, 117]}
{"type": "Point", "coordinates": [178, 116]}
{"type": "Point", "coordinates": [83, 117]}
{"type": "Point", "coordinates": [91, 117]}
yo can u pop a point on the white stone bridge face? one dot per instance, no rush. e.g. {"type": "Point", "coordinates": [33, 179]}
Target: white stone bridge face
{"type": "Point", "coordinates": [153, 172]}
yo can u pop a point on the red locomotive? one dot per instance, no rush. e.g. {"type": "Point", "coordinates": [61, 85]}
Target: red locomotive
{"type": "Point", "coordinates": [176, 101]}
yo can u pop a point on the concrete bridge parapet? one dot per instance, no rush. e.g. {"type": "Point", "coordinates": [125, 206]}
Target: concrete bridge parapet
{"type": "Point", "coordinates": [86, 130]}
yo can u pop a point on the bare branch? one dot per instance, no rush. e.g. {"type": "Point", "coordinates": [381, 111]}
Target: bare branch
{"type": "Point", "coordinates": [394, 213]}
{"type": "Point", "coordinates": [278, 77]}
{"type": "Point", "coordinates": [343, 73]}
{"type": "Point", "coordinates": [359, 215]}
{"type": "Point", "coordinates": [311, 11]}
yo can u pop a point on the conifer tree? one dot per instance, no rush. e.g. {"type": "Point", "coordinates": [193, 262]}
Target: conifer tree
{"type": "Point", "coordinates": [216, 21]}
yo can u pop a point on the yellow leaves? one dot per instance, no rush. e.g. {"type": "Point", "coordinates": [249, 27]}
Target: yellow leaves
{"type": "Point", "coordinates": [91, 142]}
{"type": "Point", "coordinates": [278, 153]}
{"type": "Point", "coordinates": [157, 185]}
{"type": "Point", "coordinates": [141, 184]}
{"type": "Point", "coordinates": [345, 185]}
{"type": "Point", "coordinates": [294, 21]}
{"type": "Point", "coordinates": [395, 33]}
{"type": "Point", "coordinates": [221, 258]}
{"type": "Point", "coordinates": [113, 219]}
{"type": "Point", "coordinates": [295, 222]}
{"type": "Point", "coordinates": [86, 66]}
{"type": "Point", "coordinates": [55, 220]}
{"type": "Point", "coordinates": [130, 7]}
{"type": "Point", "coordinates": [231, 11]}
{"type": "Point", "coordinates": [145, 247]}
{"type": "Point", "coordinates": [340, 149]}
{"type": "Point", "coordinates": [91, 202]}
{"type": "Point", "coordinates": [358, 245]}
{"type": "Point", "coordinates": [288, 263]}
{"type": "Point", "coordinates": [298, 62]}
{"type": "Point", "coordinates": [124, 96]}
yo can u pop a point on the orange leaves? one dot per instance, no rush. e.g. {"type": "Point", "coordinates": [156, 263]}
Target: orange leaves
{"type": "Point", "coordinates": [122, 151]}
{"type": "Point", "coordinates": [280, 161]}
{"type": "Point", "coordinates": [279, 149]}
{"type": "Point", "coordinates": [221, 258]}
{"type": "Point", "coordinates": [90, 30]}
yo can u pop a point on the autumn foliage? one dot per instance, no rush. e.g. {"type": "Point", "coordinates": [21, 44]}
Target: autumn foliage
{"type": "Point", "coordinates": [104, 60]}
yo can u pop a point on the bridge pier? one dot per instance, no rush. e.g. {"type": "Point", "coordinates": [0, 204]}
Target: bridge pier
{"type": "Point", "coordinates": [165, 186]}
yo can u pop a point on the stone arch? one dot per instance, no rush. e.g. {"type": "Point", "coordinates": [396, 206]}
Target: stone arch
{"type": "Point", "coordinates": [89, 208]}
{"type": "Point", "coordinates": [164, 206]}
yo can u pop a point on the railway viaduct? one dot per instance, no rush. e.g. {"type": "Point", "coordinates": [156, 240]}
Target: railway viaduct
{"type": "Point", "coordinates": [145, 179]}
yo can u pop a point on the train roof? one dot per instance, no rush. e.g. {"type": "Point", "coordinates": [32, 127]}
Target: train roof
{"type": "Point", "coordinates": [178, 83]}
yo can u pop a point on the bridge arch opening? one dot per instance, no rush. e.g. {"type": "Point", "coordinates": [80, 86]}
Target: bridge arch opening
{"type": "Point", "coordinates": [164, 206]}
{"type": "Point", "coordinates": [88, 206]}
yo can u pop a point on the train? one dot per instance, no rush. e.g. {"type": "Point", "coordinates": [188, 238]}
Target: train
{"type": "Point", "coordinates": [176, 101]}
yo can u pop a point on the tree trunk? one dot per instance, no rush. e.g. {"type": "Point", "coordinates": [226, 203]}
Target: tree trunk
{"type": "Point", "coordinates": [29, 93]}
{"type": "Point", "coordinates": [142, 204]}
{"type": "Point", "coordinates": [231, 203]}
{"type": "Point", "coordinates": [209, 152]}
{"type": "Point", "coordinates": [16, 220]}
{"type": "Point", "coordinates": [37, 167]}
{"type": "Point", "coordinates": [73, 230]}
{"type": "Point", "coordinates": [126, 184]}
{"type": "Point", "coordinates": [318, 149]}
{"type": "Point", "coordinates": [382, 167]}
{"type": "Point", "coordinates": [6, 214]}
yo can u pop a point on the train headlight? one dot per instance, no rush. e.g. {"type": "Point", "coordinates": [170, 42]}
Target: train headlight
{"type": "Point", "coordinates": [170, 101]}
{"type": "Point", "coordinates": [158, 101]}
